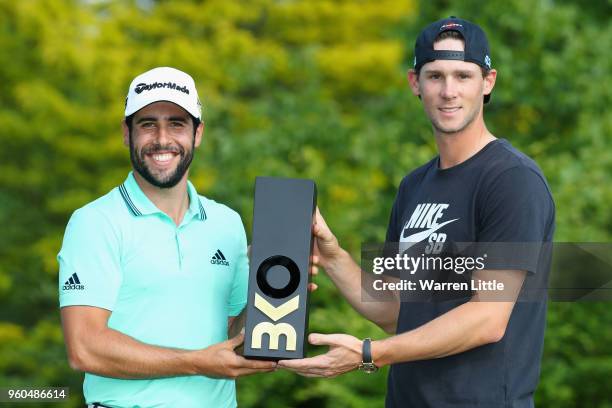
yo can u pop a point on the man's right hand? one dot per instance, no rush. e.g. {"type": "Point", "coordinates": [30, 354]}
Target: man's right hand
{"type": "Point", "coordinates": [326, 249]}
{"type": "Point", "coordinates": [221, 361]}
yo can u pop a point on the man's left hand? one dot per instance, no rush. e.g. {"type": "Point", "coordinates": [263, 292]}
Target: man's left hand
{"type": "Point", "coordinates": [344, 355]}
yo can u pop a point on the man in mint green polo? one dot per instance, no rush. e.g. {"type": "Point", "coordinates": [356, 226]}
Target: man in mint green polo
{"type": "Point", "coordinates": [152, 274]}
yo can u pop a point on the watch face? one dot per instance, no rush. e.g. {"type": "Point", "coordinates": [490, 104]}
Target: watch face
{"type": "Point", "coordinates": [368, 368]}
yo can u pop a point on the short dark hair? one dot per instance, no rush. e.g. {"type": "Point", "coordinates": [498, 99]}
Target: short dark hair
{"type": "Point", "coordinates": [130, 119]}
{"type": "Point", "coordinates": [455, 35]}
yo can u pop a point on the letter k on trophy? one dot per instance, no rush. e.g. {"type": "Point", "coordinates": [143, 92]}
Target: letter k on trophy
{"type": "Point", "coordinates": [277, 305]}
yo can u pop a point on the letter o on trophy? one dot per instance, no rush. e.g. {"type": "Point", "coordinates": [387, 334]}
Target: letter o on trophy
{"type": "Point", "coordinates": [264, 284]}
{"type": "Point", "coordinates": [277, 305]}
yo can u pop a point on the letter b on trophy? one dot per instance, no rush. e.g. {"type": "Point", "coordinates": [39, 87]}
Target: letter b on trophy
{"type": "Point", "coordinates": [277, 305]}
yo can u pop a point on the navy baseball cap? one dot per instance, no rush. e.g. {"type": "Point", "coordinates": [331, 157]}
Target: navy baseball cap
{"type": "Point", "coordinates": [476, 48]}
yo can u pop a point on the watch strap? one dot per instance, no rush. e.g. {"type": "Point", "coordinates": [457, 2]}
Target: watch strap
{"type": "Point", "coordinates": [367, 350]}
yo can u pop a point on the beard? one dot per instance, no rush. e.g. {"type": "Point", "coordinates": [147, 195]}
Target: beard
{"type": "Point", "coordinates": [171, 178]}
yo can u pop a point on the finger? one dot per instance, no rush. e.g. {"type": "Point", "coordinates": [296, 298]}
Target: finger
{"type": "Point", "coordinates": [314, 270]}
{"type": "Point", "coordinates": [318, 231]}
{"type": "Point", "coordinates": [256, 364]}
{"type": "Point", "coordinates": [249, 371]}
{"type": "Point", "coordinates": [319, 220]}
{"type": "Point", "coordinates": [318, 339]}
{"type": "Point", "coordinates": [237, 340]}
{"type": "Point", "coordinates": [310, 364]}
{"type": "Point", "coordinates": [310, 371]}
{"type": "Point", "coordinates": [314, 365]}
{"type": "Point", "coordinates": [312, 287]}
{"type": "Point", "coordinates": [304, 373]}
{"type": "Point", "coordinates": [291, 364]}
{"type": "Point", "coordinates": [321, 230]}
{"type": "Point", "coordinates": [314, 259]}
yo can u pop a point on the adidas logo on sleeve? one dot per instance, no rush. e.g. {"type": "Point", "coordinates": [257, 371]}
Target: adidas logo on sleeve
{"type": "Point", "coordinates": [73, 283]}
{"type": "Point", "coordinates": [219, 259]}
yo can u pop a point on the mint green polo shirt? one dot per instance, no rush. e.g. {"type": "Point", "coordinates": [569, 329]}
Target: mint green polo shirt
{"type": "Point", "coordinates": [165, 285]}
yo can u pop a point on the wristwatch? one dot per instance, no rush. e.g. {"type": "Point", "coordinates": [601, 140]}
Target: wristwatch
{"type": "Point", "coordinates": [367, 365]}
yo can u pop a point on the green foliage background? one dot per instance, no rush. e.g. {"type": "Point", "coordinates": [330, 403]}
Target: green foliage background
{"type": "Point", "coordinates": [299, 89]}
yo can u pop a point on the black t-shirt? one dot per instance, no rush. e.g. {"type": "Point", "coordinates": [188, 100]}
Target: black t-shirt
{"type": "Point", "coordinates": [497, 195]}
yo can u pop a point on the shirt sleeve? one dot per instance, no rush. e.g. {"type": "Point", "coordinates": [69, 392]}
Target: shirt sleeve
{"type": "Point", "coordinates": [515, 218]}
{"type": "Point", "coordinates": [238, 295]}
{"type": "Point", "coordinates": [89, 261]}
{"type": "Point", "coordinates": [390, 249]}
{"type": "Point", "coordinates": [393, 233]}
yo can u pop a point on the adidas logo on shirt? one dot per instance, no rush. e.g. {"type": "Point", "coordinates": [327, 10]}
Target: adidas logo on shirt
{"type": "Point", "coordinates": [73, 283]}
{"type": "Point", "coordinates": [219, 259]}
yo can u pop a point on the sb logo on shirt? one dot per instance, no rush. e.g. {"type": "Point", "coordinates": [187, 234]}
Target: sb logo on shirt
{"type": "Point", "coordinates": [425, 216]}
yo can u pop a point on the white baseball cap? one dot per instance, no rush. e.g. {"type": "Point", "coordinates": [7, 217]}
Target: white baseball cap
{"type": "Point", "coordinates": [163, 84]}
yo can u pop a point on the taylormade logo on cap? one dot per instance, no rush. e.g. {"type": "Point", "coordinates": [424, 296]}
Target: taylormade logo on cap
{"type": "Point", "coordinates": [170, 85]}
{"type": "Point", "coordinates": [163, 84]}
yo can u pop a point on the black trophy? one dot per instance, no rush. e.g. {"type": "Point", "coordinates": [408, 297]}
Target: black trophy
{"type": "Point", "coordinates": [277, 305]}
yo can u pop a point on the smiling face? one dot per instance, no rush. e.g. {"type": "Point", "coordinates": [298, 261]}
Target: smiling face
{"type": "Point", "coordinates": [161, 143]}
{"type": "Point", "coordinates": [452, 91]}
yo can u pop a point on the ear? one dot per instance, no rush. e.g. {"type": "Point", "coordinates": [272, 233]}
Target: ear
{"type": "Point", "coordinates": [198, 134]}
{"type": "Point", "coordinates": [126, 133]}
{"type": "Point", "coordinates": [489, 82]}
{"type": "Point", "coordinates": [413, 81]}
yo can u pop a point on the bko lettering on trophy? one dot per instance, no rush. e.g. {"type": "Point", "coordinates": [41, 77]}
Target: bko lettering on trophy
{"type": "Point", "coordinates": [277, 306]}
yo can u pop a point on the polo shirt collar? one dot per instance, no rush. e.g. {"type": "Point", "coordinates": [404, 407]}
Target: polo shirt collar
{"type": "Point", "coordinates": [139, 204]}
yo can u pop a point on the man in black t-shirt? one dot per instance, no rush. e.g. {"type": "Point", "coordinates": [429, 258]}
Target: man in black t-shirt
{"type": "Point", "coordinates": [457, 351]}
